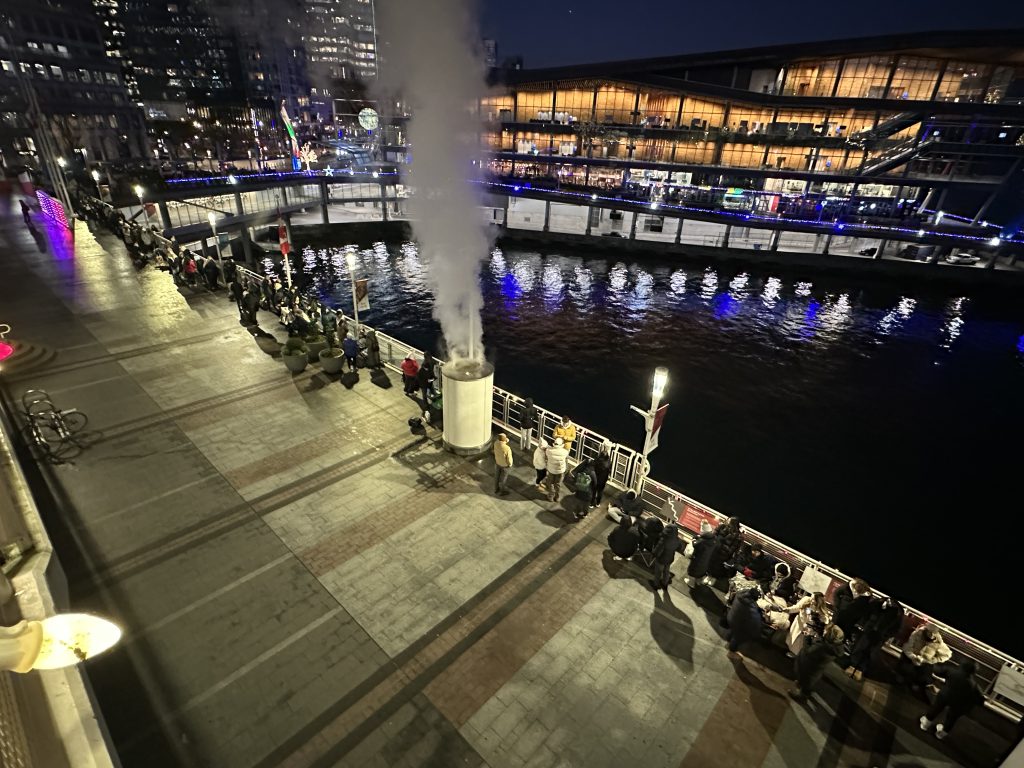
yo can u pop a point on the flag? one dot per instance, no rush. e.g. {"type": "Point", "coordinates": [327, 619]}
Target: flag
{"type": "Point", "coordinates": [296, 164]}
{"type": "Point", "coordinates": [362, 295]}
{"type": "Point", "coordinates": [282, 237]}
{"type": "Point", "coordinates": [659, 417]}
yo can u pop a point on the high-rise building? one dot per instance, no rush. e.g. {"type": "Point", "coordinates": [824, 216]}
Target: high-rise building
{"type": "Point", "coordinates": [341, 45]}
{"type": "Point", "coordinates": [57, 78]}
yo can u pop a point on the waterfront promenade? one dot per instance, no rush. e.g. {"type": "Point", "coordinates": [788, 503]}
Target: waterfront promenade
{"type": "Point", "coordinates": [303, 582]}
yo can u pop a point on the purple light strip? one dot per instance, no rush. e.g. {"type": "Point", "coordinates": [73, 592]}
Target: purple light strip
{"type": "Point", "coordinates": [277, 175]}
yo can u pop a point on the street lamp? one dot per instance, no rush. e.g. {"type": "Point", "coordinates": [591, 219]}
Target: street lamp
{"type": "Point", "coordinates": [350, 259]}
{"type": "Point", "coordinates": [96, 178]}
{"type": "Point", "coordinates": [139, 192]}
{"type": "Point", "coordinates": [652, 422]}
{"type": "Point", "coordinates": [212, 217]}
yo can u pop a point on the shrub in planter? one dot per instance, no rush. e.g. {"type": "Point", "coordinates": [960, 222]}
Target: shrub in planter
{"type": "Point", "coordinates": [315, 344]}
{"type": "Point", "coordinates": [295, 355]}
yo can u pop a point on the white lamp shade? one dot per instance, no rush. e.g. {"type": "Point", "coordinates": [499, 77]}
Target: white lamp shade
{"type": "Point", "coordinates": [69, 638]}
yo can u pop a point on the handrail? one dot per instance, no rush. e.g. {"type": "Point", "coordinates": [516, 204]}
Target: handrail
{"type": "Point", "coordinates": [626, 471]}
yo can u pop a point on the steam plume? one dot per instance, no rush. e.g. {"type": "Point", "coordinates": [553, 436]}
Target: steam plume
{"type": "Point", "coordinates": [430, 55]}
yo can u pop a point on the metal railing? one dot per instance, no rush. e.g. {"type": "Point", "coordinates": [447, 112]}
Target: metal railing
{"type": "Point", "coordinates": [626, 465]}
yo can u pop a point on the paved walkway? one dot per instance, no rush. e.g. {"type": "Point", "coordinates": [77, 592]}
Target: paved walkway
{"type": "Point", "coordinates": [305, 583]}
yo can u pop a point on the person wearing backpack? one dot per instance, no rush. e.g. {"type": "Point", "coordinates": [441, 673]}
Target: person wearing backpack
{"type": "Point", "coordinates": [584, 481]}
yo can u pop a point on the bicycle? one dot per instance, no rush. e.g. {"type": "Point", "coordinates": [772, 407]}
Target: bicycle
{"type": "Point", "coordinates": [51, 431]}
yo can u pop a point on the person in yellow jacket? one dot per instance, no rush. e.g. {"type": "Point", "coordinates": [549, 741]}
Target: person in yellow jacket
{"type": "Point", "coordinates": [567, 431]}
{"type": "Point", "coordinates": [503, 462]}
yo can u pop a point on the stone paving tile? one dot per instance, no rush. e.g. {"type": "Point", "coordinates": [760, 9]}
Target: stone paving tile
{"type": "Point", "coordinates": [332, 590]}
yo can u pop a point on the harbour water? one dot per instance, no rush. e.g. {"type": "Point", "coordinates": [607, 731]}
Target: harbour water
{"type": "Point", "coordinates": [870, 426]}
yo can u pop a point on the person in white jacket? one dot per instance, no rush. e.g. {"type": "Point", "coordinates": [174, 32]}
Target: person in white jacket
{"type": "Point", "coordinates": [557, 460]}
{"type": "Point", "coordinates": [923, 651]}
{"type": "Point", "coordinates": [540, 462]}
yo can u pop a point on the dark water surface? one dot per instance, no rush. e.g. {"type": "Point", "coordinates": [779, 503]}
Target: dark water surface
{"type": "Point", "coordinates": [874, 429]}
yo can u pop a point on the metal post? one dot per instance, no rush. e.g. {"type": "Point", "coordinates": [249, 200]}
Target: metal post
{"type": "Point", "coordinates": [504, 220]}
{"type": "Point", "coordinates": [590, 218]}
{"type": "Point", "coordinates": [165, 214]}
{"type": "Point", "coordinates": [995, 258]}
{"type": "Point", "coordinates": [828, 242]}
{"type": "Point", "coordinates": [725, 237]}
{"type": "Point", "coordinates": [323, 203]}
{"type": "Point", "coordinates": [216, 249]}
{"type": "Point", "coordinates": [632, 227]}
{"type": "Point", "coordinates": [383, 201]}
{"type": "Point", "coordinates": [881, 249]}
{"type": "Point", "coordinates": [547, 216]}
{"type": "Point", "coordinates": [679, 231]}
{"type": "Point", "coordinates": [660, 379]}
{"type": "Point", "coordinates": [773, 242]}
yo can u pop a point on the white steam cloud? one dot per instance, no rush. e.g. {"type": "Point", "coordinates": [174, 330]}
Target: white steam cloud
{"type": "Point", "coordinates": [431, 56]}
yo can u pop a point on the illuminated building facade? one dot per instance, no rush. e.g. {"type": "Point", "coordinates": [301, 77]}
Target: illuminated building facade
{"type": "Point", "coordinates": [882, 124]}
{"type": "Point", "coordinates": [54, 65]}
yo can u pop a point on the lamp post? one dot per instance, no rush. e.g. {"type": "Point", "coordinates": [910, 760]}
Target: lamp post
{"type": "Point", "coordinates": [350, 259]}
{"type": "Point", "coordinates": [96, 178]}
{"type": "Point", "coordinates": [212, 217]}
{"type": "Point", "coordinates": [139, 191]}
{"type": "Point", "coordinates": [651, 422]}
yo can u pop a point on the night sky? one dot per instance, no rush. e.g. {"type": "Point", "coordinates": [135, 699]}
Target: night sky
{"type": "Point", "coordinates": [555, 32]}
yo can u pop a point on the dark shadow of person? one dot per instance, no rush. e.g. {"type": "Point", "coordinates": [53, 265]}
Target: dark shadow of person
{"type": "Point", "coordinates": [672, 630]}
{"type": "Point", "coordinates": [349, 379]}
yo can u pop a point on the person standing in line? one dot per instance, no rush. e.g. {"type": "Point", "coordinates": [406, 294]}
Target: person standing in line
{"type": "Point", "coordinates": [584, 480]}
{"type": "Point", "coordinates": [815, 655]}
{"type": "Point", "coordinates": [664, 553]}
{"type": "Point", "coordinates": [730, 539]}
{"type": "Point", "coordinates": [251, 305]}
{"type": "Point", "coordinates": [503, 462]}
{"type": "Point", "coordinates": [958, 696]}
{"type": "Point", "coordinates": [703, 548]}
{"type": "Point", "coordinates": [425, 378]}
{"type": "Point", "coordinates": [851, 604]}
{"type": "Point", "coordinates": [884, 623]}
{"type": "Point", "coordinates": [351, 349]}
{"type": "Point", "coordinates": [409, 370]}
{"type": "Point", "coordinates": [237, 293]}
{"type": "Point", "coordinates": [745, 621]}
{"type": "Point", "coordinates": [540, 462]}
{"type": "Point", "coordinates": [527, 421]}
{"type": "Point", "coordinates": [557, 458]}
{"type": "Point", "coordinates": [602, 471]}
{"type": "Point", "coordinates": [190, 270]}
{"type": "Point", "coordinates": [372, 350]}
{"type": "Point", "coordinates": [567, 431]}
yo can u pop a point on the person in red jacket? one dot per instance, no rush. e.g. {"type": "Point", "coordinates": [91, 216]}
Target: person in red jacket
{"type": "Point", "coordinates": [409, 370]}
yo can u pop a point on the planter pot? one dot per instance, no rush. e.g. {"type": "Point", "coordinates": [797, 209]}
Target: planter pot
{"type": "Point", "coordinates": [296, 362]}
{"type": "Point", "coordinates": [315, 348]}
{"type": "Point", "coordinates": [331, 361]}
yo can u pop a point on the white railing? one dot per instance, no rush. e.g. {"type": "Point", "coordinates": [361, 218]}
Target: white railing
{"type": "Point", "coordinates": [626, 467]}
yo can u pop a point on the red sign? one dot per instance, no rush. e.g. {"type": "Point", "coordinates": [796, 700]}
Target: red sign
{"type": "Point", "coordinates": [692, 516]}
{"type": "Point", "coordinates": [6, 350]}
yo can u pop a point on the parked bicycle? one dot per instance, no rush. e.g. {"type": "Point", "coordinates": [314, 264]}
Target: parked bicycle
{"type": "Point", "coordinates": [52, 433]}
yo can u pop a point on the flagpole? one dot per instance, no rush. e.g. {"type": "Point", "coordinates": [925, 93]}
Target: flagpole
{"type": "Point", "coordinates": [350, 258]}
{"type": "Point", "coordinates": [657, 390]}
{"type": "Point", "coordinates": [286, 246]}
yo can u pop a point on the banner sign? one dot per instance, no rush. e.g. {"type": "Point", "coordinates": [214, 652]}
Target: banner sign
{"type": "Point", "coordinates": [362, 294]}
{"type": "Point", "coordinates": [659, 417]}
{"type": "Point", "coordinates": [1010, 683]}
{"type": "Point", "coordinates": [812, 580]}
{"type": "Point", "coordinates": [692, 516]}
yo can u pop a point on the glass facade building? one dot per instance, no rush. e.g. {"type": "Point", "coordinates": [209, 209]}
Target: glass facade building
{"type": "Point", "coordinates": [897, 122]}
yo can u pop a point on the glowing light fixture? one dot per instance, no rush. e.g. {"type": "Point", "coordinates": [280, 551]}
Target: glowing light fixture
{"type": "Point", "coordinates": [55, 642]}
